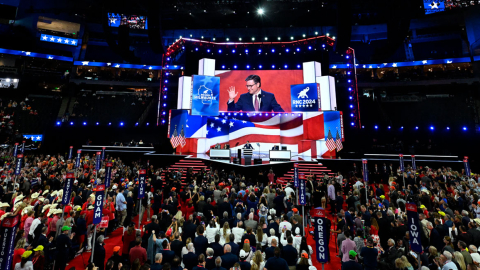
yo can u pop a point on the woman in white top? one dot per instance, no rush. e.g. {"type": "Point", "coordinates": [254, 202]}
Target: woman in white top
{"type": "Point", "coordinates": [25, 264]}
{"type": "Point", "coordinates": [258, 259]}
{"type": "Point", "coordinates": [248, 250]}
{"type": "Point", "coordinates": [188, 244]}
{"type": "Point", "coordinates": [261, 237]}
{"type": "Point", "coordinates": [211, 231]}
{"type": "Point", "coordinates": [269, 239]}
{"type": "Point", "coordinates": [224, 234]}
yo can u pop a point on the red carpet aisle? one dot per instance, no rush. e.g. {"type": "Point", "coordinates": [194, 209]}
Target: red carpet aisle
{"type": "Point", "coordinates": [115, 239]}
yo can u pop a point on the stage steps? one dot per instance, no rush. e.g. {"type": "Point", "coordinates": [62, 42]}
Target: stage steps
{"type": "Point", "coordinates": [307, 168]}
{"type": "Point", "coordinates": [185, 164]}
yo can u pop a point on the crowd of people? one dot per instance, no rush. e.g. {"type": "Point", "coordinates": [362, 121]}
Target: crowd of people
{"type": "Point", "coordinates": [213, 219]}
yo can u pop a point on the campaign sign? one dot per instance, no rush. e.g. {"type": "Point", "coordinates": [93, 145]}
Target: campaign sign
{"type": "Point", "coordinates": [304, 97]}
{"type": "Point", "coordinates": [205, 95]}
{"type": "Point", "coordinates": [103, 153]}
{"type": "Point", "coordinates": [104, 222]}
{"type": "Point", "coordinates": [15, 150]}
{"type": "Point", "coordinates": [18, 164]}
{"type": "Point", "coordinates": [365, 170]}
{"type": "Point", "coordinates": [77, 162]}
{"type": "Point", "coordinates": [108, 173]}
{"type": "Point", "coordinates": [402, 167]}
{"type": "Point", "coordinates": [466, 165]}
{"type": "Point", "coordinates": [414, 165]}
{"type": "Point", "coordinates": [414, 228]}
{"type": "Point", "coordinates": [141, 183]}
{"type": "Point", "coordinates": [321, 234]}
{"type": "Point", "coordinates": [8, 229]}
{"type": "Point", "coordinates": [295, 175]}
{"type": "Point", "coordinates": [302, 197]}
{"type": "Point", "coordinates": [70, 152]}
{"type": "Point", "coordinates": [67, 189]}
{"type": "Point", "coordinates": [98, 207]}
{"type": "Point", "coordinates": [98, 161]}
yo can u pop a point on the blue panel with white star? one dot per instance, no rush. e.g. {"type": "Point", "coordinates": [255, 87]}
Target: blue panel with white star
{"type": "Point", "coordinates": [59, 40]}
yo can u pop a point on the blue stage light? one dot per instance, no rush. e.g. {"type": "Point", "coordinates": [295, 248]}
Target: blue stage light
{"type": "Point", "coordinates": [376, 127]}
{"type": "Point", "coordinates": [233, 51]}
{"type": "Point", "coordinates": [228, 113]}
{"type": "Point", "coordinates": [348, 73]}
{"type": "Point", "coordinates": [259, 50]}
{"type": "Point", "coordinates": [241, 114]}
{"type": "Point", "coordinates": [432, 128]}
{"type": "Point", "coordinates": [273, 66]}
{"type": "Point", "coordinates": [260, 114]}
{"type": "Point", "coordinates": [196, 49]}
{"type": "Point", "coordinates": [109, 123]}
{"type": "Point", "coordinates": [223, 67]}
{"type": "Point", "coordinates": [98, 123]}
{"type": "Point", "coordinates": [285, 66]}
{"type": "Point", "coordinates": [298, 49]}
{"type": "Point", "coordinates": [260, 66]}
{"type": "Point", "coordinates": [246, 50]}
{"type": "Point", "coordinates": [164, 96]}
{"type": "Point", "coordinates": [448, 128]}
{"type": "Point", "coordinates": [148, 124]}
{"type": "Point", "coordinates": [323, 45]}
{"type": "Point", "coordinates": [309, 47]}
{"type": "Point", "coordinates": [351, 115]}
{"type": "Point", "coordinates": [235, 66]}
{"type": "Point", "coordinates": [351, 106]}
{"type": "Point", "coordinates": [416, 127]}
{"type": "Point", "coordinates": [287, 50]}
{"type": "Point", "coordinates": [163, 122]}
{"type": "Point", "coordinates": [350, 97]}
{"type": "Point", "coordinates": [248, 66]}
{"type": "Point", "coordinates": [164, 104]}
{"type": "Point", "coordinates": [84, 123]}
{"type": "Point", "coordinates": [401, 127]}
{"type": "Point", "coordinates": [273, 50]}
{"type": "Point", "coordinates": [389, 127]}
{"type": "Point", "coordinates": [347, 56]}
{"type": "Point", "coordinates": [164, 113]}
{"type": "Point", "coordinates": [71, 123]}
{"type": "Point", "coordinates": [298, 66]}
{"type": "Point", "coordinates": [166, 81]}
{"type": "Point", "coordinates": [352, 123]}
{"type": "Point", "coordinates": [349, 89]}
{"type": "Point", "coordinates": [349, 81]}
{"type": "Point", "coordinates": [121, 123]}
{"type": "Point", "coordinates": [136, 124]}
{"type": "Point", "coordinates": [219, 51]}
{"type": "Point", "coordinates": [208, 50]}
{"type": "Point", "coordinates": [464, 128]}
{"type": "Point", "coordinates": [58, 123]}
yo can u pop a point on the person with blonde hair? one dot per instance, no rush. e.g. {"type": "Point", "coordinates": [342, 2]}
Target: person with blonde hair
{"type": "Point", "coordinates": [225, 233]}
{"type": "Point", "coordinates": [459, 260]}
{"type": "Point", "coordinates": [258, 259]}
{"type": "Point", "coordinates": [406, 263]}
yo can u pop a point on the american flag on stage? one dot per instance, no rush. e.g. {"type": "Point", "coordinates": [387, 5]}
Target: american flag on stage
{"type": "Point", "coordinates": [338, 142]}
{"type": "Point", "coordinates": [181, 138]}
{"type": "Point", "coordinates": [175, 140]}
{"type": "Point", "coordinates": [267, 129]}
{"type": "Point", "coordinates": [330, 142]}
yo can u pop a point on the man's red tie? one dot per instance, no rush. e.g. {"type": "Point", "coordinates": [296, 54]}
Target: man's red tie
{"type": "Point", "coordinates": [257, 107]}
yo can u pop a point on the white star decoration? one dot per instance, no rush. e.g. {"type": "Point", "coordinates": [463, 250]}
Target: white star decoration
{"type": "Point", "coordinates": [59, 39]}
{"type": "Point", "coordinates": [38, 138]}
{"type": "Point", "coordinates": [67, 41]}
{"type": "Point", "coordinates": [117, 66]}
{"type": "Point", "coordinates": [219, 129]}
{"type": "Point", "coordinates": [44, 37]}
{"type": "Point", "coordinates": [424, 61]}
{"type": "Point", "coordinates": [449, 62]}
{"type": "Point", "coordinates": [394, 64]}
{"type": "Point", "coordinates": [224, 121]}
{"type": "Point", "coordinates": [231, 124]}
{"type": "Point", "coordinates": [27, 53]}
{"type": "Point", "coordinates": [109, 64]}
{"type": "Point", "coordinates": [149, 67]}
{"type": "Point", "coordinates": [52, 39]}
{"type": "Point", "coordinates": [85, 63]}
{"type": "Point", "coordinates": [216, 118]}
{"type": "Point", "coordinates": [334, 66]}
{"type": "Point", "coordinates": [207, 132]}
{"type": "Point", "coordinates": [244, 122]}
{"type": "Point", "coordinates": [74, 42]}
{"type": "Point", "coordinates": [212, 125]}
{"type": "Point", "coordinates": [50, 57]}
{"type": "Point", "coordinates": [434, 5]}
{"type": "Point", "coordinates": [113, 20]}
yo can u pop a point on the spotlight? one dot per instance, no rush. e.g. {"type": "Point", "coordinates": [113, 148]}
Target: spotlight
{"type": "Point", "coordinates": [287, 50]}
{"type": "Point", "coordinates": [323, 45]}
{"type": "Point", "coordinates": [233, 51]}
{"type": "Point", "coordinates": [448, 128]}
{"type": "Point", "coordinates": [376, 127]}
{"type": "Point", "coordinates": [350, 97]}
{"type": "Point", "coordinates": [246, 50]}
{"type": "Point", "coordinates": [352, 123]}
{"type": "Point", "coordinates": [259, 50]}
{"type": "Point", "coordinates": [351, 106]}
{"type": "Point", "coordinates": [163, 122]}
{"type": "Point", "coordinates": [196, 49]}
{"type": "Point", "coordinates": [260, 11]}
{"type": "Point", "coordinates": [164, 104]}
{"type": "Point", "coordinates": [416, 127]}
{"type": "Point", "coordinates": [273, 50]}
{"type": "Point", "coordinates": [291, 38]}
{"type": "Point", "coordinates": [240, 39]}
{"type": "Point", "coordinates": [166, 81]}
{"type": "Point", "coordinates": [401, 127]}
{"type": "Point", "coordinates": [432, 128]}
{"type": "Point", "coordinates": [298, 49]}
{"type": "Point", "coordinates": [148, 124]}
{"type": "Point", "coordinates": [219, 51]}
{"type": "Point", "coordinates": [273, 66]}
{"type": "Point", "coordinates": [58, 123]}
{"type": "Point", "coordinates": [71, 123]}
{"type": "Point", "coordinates": [279, 38]}
{"type": "Point", "coordinates": [136, 124]}
{"type": "Point", "coordinates": [253, 39]}
{"type": "Point", "coordinates": [223, 67]}
{"type": "Point", "coordinates": [389, 127]}
{"type": "Point", "coordinates": [285, 66]}
{"type": "Point", "coordinates": [98, 123]}
{"type": "Point", "coordinates": [464, 128]}
{"type": "Point", "coordinates": [309, 47]}
{"type": "Point", "coordinates": [298, 66]}
{"type": "Point", "coordinates": [349, 89]}
{"type": "Point", "coordinates": [260, 66]}
{"type": "Point", "coordinates": [351, 115]}
{"type": "Point", "coordinates": [347, 56]}
{"type": "Point", "coordinates": [121, 123]}
{"type": "Point", "coordinates": [248, 66]}
{"type": "Point", "coordinates": [84, 123]}
{"type": "Point", "coordinates": [208, 50]}
{"type": "Point", "coordinates": [235, 66]}
{"type": "Point", "coordinates": [109, 123]}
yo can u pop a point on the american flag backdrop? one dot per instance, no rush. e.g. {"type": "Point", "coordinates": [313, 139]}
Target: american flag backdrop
{"type": "Point", "coordinates": [181, 138]}
{"type": "Point", "coordinates": [338, 142]}
{"type": "Point", "coordinates": [174, 139]}
{"type": "Point", "coordinates": [330, 142]}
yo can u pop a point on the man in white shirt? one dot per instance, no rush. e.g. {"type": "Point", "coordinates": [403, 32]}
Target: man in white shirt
{"type": "Point", "coordinates": [446, 262]}
{"type": "Point", "coordinates": [474, 253]}
{"type": "Point", "coordinates": [238, 232]}
{"type": "Point", "coordinates": [285, 224]}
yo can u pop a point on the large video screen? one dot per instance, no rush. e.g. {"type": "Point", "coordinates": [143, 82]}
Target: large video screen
{"type": "Point", "coordinates": [133, 21]}
{"type": "Point", "coordinates": [275, 89]}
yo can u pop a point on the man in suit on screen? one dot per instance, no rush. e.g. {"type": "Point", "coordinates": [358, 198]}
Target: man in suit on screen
{"type": "Point", "coordinates": [256, 100]}
{"type": "Point", "coordinates": [248, 146]}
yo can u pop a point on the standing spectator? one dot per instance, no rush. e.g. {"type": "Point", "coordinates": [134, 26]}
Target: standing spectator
{"type": "Point", "coordinates": [138, 252]}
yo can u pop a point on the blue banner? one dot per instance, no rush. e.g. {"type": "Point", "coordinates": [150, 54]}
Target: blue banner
{"type": "Point", "coordinates": [402, 167]}
{"type": "Point", "coordinates": [466, 165]}
{"type": "Point", "coordinates": [433, 6]}
{"type": "Point", "coordinates": [34, 137]}
{"type": "Point", "coordinates": [15, 150]}
{"type": "Point", "coordinates": [302, 197]}
{"type": "Point", "coordinates": [414, 228]}
{"type": "Point", "coordinates": [70, 152]}
{"type": "Point", "coordinates": [59, 40]}
{"type": "Point", "coordinates": [414, 165]}
{"type": "Point", "coordinates": [365, 170]}
{"type": "Point", "coordinates": [8, 230]}
{"type": "Point", "coordinates": [108, 173]}
{"type": "Point", "coordinates": [77, 161]}
{"type": "Point", "coordinates": [18, 164]}
{"type": "Point", "coordinates": [23, 147]}
{"type": "Point", "coordinates": [304, 97]}
{"type": "Point", "coordinates": [67, 189]}
{"type": "Point", "coordinates": [141, 183]}
{"type": "Point", "coordinates": [321, 234]}
{"type": "Point", "coordinates": [103, 153]}
{"type": "Point", "coordinates": [205, 95]}
{"type": "Point", "coordinates": [98, 161]}
{"type": "Point", "coordinates": [98, 207]}
{"type": "Point", "coordinates": [295, 175]}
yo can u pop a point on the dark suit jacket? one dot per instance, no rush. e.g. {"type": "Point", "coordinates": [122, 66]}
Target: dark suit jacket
{"type": "Point", "coordinates": [351, 265]}
{"type": "Point", "coordinates": [245, 103]}
{"type": "Point", "coordinates": [290, 254]}
{"type": "Point", "coordinates": [235, 248]}
{"type": "Point", "coordinates": [217, 249]}
{"type": "Point", "coordinates": [190, 260]}
{"type": "Point", "coordinates": [248, 145]}
{"type": "Point", "coordinates": [176, 247]}
{"type": "Point", "coordinates": [167, 256]}
{"type": "Point", "coordinates": [228, 260]}
{"type": "Point", "coordinates": [200, 243]}
{"type": "Point", "coordinates": [269, 252]}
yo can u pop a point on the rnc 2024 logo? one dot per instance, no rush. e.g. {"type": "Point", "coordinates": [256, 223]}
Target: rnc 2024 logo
{"type": "Point", "coordinates": [205, 95]}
